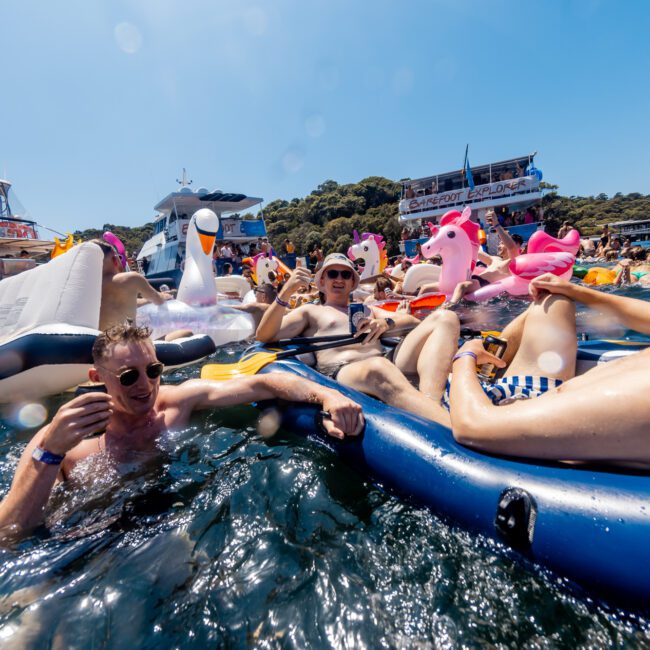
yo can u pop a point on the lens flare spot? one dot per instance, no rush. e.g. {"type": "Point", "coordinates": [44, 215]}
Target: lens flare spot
{"type": "Point", "coordinates": [292, 161]}
{"type": "Point", "coordinates": [550, 362]}
{"type": "Point", "coordinates": [31, 415]}
{"type": "Point", "coordinates": [315, 126]}
{"type": "Point", "coordinates": [128, 38]}
{"type": "Point", "coordinates": [269, 423]}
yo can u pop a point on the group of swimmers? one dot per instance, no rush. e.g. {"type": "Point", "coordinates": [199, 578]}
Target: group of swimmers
{"type": "Point", "coordinates": [538, 408]}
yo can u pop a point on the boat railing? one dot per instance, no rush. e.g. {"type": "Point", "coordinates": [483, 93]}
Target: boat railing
{"type": "Point", "coordinates": [515, 188]}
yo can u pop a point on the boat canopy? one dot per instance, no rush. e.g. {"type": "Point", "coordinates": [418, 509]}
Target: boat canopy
{"type": "Point", "coordinates": [185, 200]}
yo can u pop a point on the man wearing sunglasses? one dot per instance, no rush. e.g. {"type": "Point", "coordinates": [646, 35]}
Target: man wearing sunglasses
{"type": "Point", "coordinates": [363, 366]}
{"type": "Point", "coordinates": [133, 414]}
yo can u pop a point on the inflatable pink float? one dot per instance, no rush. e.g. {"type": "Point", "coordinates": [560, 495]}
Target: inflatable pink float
{"type": "Point", "coordinates": [456, 241]}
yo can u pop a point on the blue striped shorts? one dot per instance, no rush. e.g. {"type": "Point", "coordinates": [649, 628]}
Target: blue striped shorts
{"type": "Point", "coordinates": [508, 389]}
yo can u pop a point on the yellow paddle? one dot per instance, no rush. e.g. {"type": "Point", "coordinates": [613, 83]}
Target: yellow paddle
{"type": "Point", "coordinates": [251, 364]}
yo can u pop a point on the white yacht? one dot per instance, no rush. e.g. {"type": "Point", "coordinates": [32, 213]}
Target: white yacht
{"type": "Point", "coordinates": [161, 257]}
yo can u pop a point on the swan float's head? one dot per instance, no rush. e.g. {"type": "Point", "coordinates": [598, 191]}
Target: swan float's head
{"type": "Point", "coordinates": [206, 224]}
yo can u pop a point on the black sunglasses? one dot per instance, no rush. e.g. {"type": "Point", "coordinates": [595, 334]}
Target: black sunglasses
{"type": "Point", "coordinates": [332, 274]}
{"type": "Point", "coordinates": [129, 376]}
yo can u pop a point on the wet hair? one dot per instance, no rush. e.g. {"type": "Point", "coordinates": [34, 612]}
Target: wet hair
{"type": "Point", "coordinates": [127, 333]}
{"type": "Point", "coordinates": [104, 245]}
{"type": "Point", "coordinates": [517, 239]}
{"type": "Point", "coordinates": [637, 253]}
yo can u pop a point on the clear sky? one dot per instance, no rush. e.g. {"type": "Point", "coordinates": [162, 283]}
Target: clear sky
{"type": "Point", "coordinates": [104, 101]}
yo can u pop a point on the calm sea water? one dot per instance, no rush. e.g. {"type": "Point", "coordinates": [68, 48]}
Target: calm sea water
{"type": "Point", "coordinates": [232, 541]}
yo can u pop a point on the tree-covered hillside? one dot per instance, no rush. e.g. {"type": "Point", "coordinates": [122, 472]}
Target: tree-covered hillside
{"type": "Point", "coordinates": [132, 238]}
{"type": "Point", "coordinates": [331, 212]}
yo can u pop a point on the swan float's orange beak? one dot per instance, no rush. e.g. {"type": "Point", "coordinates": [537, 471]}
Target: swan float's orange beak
{"type": "Point", "coordinates": [207, 240]}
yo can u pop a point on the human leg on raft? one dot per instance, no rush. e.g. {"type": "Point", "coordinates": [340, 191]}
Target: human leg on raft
{"type": "Point", "coordinates": [427, 352]}
{"type": "Point", "coordinates": [380, 378]}
{"type": "Point", "coordinates": [542, 341]}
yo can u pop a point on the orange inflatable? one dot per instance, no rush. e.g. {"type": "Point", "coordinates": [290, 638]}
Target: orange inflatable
{"type": "Point", "coordinates": [419, 306]}
{"type": "Point", "coordinates": [600, 275]}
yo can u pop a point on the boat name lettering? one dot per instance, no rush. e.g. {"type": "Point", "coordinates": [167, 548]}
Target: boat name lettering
{"type": "Point", "coordinates": [500, 188]}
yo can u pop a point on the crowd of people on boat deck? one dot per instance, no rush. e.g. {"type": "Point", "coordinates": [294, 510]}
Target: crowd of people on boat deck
{"type": "Point", "coordinates": [535, 406]}
{"type": "Point", "coordinates": [428, 188]}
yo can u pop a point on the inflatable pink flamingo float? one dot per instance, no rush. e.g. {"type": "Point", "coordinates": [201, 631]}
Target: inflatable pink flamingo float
{"type": "Point", "coordinates": [456, 241]}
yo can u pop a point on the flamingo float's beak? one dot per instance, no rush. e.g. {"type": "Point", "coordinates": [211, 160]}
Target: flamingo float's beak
{"type": "Point", "coordinates": [207, 240]}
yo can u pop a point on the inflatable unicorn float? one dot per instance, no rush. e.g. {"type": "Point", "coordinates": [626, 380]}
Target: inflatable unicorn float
{"type": "Point", "coordinates": [196, 306]}
{"type": "Point", "coordinates": [371, 249]}
{"type": "Point", "coordinates": [456, 240]}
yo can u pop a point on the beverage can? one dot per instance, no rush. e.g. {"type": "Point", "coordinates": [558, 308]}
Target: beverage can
{"type": "Point", "coordinates": [497, 347]}
{"type": "Point", "coordinates": [357, 312]}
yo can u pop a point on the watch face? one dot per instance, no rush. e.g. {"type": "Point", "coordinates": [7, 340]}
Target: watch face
{"type": "Point", "coordinates": [38, 454]}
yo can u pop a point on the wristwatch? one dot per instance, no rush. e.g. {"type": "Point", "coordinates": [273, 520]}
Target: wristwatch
{"type": "Point", "coordinates": [47, 457]}
{"type": "Point", "coordinates": [390, 322]}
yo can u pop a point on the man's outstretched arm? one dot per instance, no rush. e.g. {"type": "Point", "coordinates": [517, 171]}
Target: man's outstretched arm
{"type": "Point", "coordinates": [277, 322]}
{"type": "Point", "coordinates": [346, 416]}
{"type": "Point", "coordinates": [630, 312]}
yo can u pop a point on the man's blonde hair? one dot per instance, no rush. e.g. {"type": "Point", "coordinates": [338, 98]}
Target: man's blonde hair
{"type": "Point", "coordinates": [118, 334]}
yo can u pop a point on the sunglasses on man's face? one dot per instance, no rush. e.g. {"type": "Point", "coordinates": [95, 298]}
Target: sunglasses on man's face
{"type": "Point", "coordinates": [332, 274]}
{"type": "Point", "coordinates": [129, 376]}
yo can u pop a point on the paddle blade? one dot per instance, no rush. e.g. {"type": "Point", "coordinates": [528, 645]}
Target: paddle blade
{"type": "Point", "coordinates": [246, 366]}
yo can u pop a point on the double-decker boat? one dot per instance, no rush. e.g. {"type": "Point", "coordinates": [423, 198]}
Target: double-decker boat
{"type": "Point", "coordinates": [510, 187]}
{"type": "Point", "coordinates": [20, 242]}
{"type": "Point", "coordinates": [162, 256]}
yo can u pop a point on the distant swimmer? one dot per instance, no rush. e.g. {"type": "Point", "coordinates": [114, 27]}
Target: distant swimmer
{"type": "Point", "coordinates": [135, 412]}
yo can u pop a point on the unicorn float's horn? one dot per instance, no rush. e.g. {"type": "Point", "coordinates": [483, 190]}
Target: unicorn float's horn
{"type": "Point", "coordinates": [355, 236]}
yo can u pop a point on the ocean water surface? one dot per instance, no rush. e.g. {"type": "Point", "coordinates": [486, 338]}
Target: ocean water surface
{"type": "Point", "coordinates": [231, 540]}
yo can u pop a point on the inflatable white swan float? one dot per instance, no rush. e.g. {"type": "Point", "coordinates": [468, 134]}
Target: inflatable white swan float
{"type": "Point", "coordinates": [196, 308]}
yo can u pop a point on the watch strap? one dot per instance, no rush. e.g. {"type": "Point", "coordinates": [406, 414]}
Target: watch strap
{"type": "Point", "coordinates": [47, 457]}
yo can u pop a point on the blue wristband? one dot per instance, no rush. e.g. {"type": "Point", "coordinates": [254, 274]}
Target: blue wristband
{"type": "Point", "coordinates": [466, 353]}
{"type": "Point", "coordinates": [281, 302]}
{"type": "Point", "coordinates": [47, 457]}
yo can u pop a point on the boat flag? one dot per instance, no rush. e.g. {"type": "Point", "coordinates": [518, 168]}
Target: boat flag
{"type": "Point", "coordinates": [468, 170]}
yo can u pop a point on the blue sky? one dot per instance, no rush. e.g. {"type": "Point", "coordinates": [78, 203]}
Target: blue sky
{"type": "Point", "coordinates": [103, 102]}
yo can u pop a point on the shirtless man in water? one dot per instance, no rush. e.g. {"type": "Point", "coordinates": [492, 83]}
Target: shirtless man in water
{"type": "Point", "coordinates": [120, 290]}
{"type": "Point", "coordinates": [363, 366]}
{"type": "Point", "coordinates": [135, 412]}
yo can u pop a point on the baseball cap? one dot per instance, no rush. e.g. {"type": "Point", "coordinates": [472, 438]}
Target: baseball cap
{"type": "Point", "coordinates": [337, 259]}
